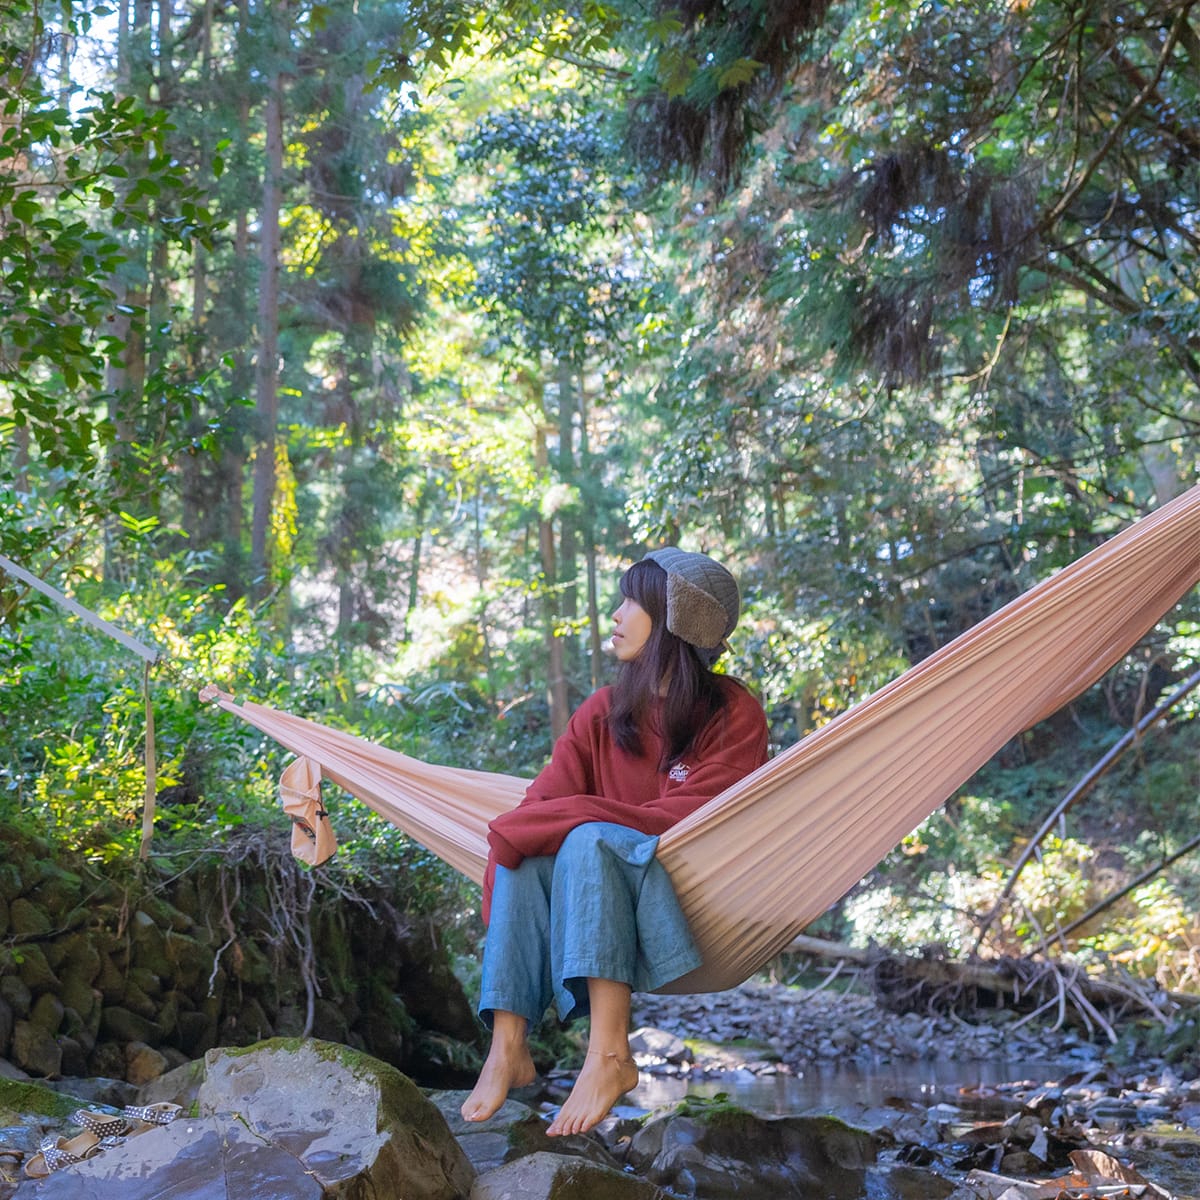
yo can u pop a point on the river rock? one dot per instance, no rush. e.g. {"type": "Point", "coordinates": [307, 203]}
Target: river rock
{"type": "Point", "coordinates": [16, 994]}
{"type": "Point", "coordinates": [77, 993]}
{"type": "Point", "coordinates": [180, 1085]}
{"type": "Point", "coordinates": [513, 1131]}
{"type": "Point", "coordinates": [72, 1057]}
{"type": "Point", "coordinates": [725, 1152]}
{"type": "Point", "coordinates": [143, 1063]}
{"type": "Point", "coordinates": [341, 1114]}
{"type": "Point", "coordinates": [82, 955]}
{"type": "Point", "coordinates": [47, 1012]}
{"type": "Point", "coordinates": [35, 1050]}
{"type": "Point", "coordinates": [545, 1176]}
{"type": "Point", "coordinates": [124, 1026]}
{"type": "Point", "coordinates": [58, 894]}
{"type": "Point", "coordinates": [649, 1045]}
{"type": "Point", "coordinates": [27, 919]}
{"type": "Point", "coordinates": [191, 958]}
{"type": "Point", "coordinates": [206, 1158]}
{"type": "Point", "coordinates": [35, 971]}
{"type": "Point", "coordinates": [107, 1059]}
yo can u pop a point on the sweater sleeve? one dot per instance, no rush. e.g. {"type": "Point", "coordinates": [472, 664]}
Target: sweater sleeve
{"type": "Point", "coordinates": [729, 748]}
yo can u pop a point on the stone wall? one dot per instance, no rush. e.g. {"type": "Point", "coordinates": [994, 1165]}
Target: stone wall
{"type": "Point", "coordinates": [125, 972]}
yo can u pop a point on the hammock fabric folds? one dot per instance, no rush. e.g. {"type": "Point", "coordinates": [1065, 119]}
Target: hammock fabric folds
{"type": "Point", "coordinates": [765, 858]}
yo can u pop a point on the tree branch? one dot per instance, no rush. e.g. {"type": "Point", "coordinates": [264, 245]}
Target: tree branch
{"type": "Point", "coordinates": [1072, 193]}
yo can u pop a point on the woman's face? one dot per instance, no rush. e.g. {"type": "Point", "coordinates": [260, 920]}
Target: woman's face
{"type": "Point", "coordinates": [631, 630]}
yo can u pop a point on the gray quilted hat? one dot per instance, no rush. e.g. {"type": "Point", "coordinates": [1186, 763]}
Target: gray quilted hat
{"type": "Point", "coordinates": [702, 600]}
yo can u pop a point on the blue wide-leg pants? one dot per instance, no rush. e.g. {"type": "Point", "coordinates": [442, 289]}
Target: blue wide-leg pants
{"type": "Point", "coordinates": [602, 907]}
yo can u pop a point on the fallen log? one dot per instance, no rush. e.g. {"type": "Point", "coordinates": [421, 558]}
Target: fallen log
{"type": "Point", "coordinates": [934, 982]}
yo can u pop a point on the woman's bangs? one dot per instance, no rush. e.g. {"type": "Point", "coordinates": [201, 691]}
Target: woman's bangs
{"type": "Point", "coordinates": [639, 584]}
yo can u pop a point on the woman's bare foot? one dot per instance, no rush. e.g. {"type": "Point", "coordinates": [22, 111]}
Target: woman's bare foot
{"type": "Point", "coordinates": [508, 1065]}
{"type": "Point", "coordinates": [605, 1078]}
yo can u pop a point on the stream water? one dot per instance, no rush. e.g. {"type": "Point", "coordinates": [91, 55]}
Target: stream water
{"type": "Point", "coordinates": [841, 1089]}
{"type": "Point", "coordinates": [1167, 1154]}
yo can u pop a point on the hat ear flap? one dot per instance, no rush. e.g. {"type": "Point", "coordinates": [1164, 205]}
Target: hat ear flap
{"type": "Point", "coordinates": [694, 615]}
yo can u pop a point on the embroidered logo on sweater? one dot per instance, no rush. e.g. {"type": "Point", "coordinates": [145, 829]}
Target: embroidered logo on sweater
{"type": "Point", "coordinates": [679, 772]}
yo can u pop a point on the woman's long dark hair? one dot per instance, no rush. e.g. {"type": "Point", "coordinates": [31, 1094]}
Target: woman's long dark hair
{"type": "Point", "coordinates": [693, 694]}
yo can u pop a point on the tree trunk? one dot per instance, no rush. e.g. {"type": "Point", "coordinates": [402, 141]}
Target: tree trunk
{"type": "Point", "coordinates": [199, 508]}
{"type": "Point", "coordinates": [414, 567]}
{"type": "Point", "coordinates": [266, 389]}
{"type": "Point", "coordinates": [595, 640]}
{"type": "Point", "coordinates": [232, 460]}
{"type": "Point", "coordinates": [481, 585]}
{"type": "Point", "coordinates": [126, 376]}
{"type": "Point", "coordinates": [556, 678]}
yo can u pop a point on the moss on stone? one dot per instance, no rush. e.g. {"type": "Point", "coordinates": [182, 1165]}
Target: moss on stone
{"type": "Point", "coordinates": [31, 1099]}
{"type": "Point", "coordinates": [397, 1092]}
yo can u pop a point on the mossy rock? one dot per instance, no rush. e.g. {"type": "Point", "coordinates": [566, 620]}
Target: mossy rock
{"type": "Point", "coordinates": [23, 1099]}
{"type": "Point", "coordinates": [251, 965]}
{"type": "Point", "coordinates": [59, 893]}
{"type": "Point", "coordinates": [166, 916]}
{"type": "Point", "coordinates": [149, 945]}
{"type": "Point", "coordinates": [16, 994]}
{"type": "Point", "coordinates": [82, 956]}
{"type": "Point", "coordinates": [11, 882]}
{"type": "Point", "coordinates": [28, 919]}
{"type": "Point", "coordinates": [191, 960]}
{"type": "Point", "coordinates": [47, 1012]}
{"type": "Point", "coordinates": [147, 981]}
{"type": "Point", "coordinates": [110, 979]}
{"type": "Point", "coordinates": [33, 968]}
{"type": "Point", "coordinates": [368, 1117]}
{"type": "Point", "coordinates": [560, 1177]}
{"type": "Point", "coordinates": [722, 1151]}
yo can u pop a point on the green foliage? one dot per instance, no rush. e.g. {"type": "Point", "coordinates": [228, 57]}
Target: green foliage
{"type": "Point", "coordinates": [78, 167]}
{"type": "Point", "coordinates": [937, 343]}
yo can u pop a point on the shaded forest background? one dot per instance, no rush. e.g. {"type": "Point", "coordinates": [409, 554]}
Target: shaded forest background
{"type": "Point", "coordinates": [348, 352]}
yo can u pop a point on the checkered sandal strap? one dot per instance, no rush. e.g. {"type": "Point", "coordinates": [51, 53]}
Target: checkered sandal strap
{"type": "Point", "coordinates": [58, 1156]}
{"type": "Point", "coordinates": [152, 1114]}
{"type": "Point", "coordinates": [103, 1125]}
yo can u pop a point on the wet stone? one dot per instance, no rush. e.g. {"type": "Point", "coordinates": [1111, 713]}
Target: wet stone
{"type": "Point", "coordinates": [650, 1045]}
{"type": "Point", "coordinates": [521, 1130]}
{"type": "Point", "coordinates": [209, 1158]}
{"type": "Point", "coordinates": [546, 1176]}
{"type": "Point", "coordinates": [356, 1122]}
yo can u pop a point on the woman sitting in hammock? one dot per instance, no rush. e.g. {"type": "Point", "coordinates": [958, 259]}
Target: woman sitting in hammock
{"type": "Point", "coordinates": [579, 911]}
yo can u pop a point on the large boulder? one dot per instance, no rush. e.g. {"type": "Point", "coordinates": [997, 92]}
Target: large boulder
{"type": "Point", "coordinates": [544, 1176]}
{"type": "Point", "coordinates": [721, 1151]}
{"type": "Point", "coordinates": [283, 1120]}
{"type": "Point", "coordinates": [513, 1131]}
{"type": "Point", "coordinates": [344, 1113]}
{"type": "Point", "coordinates": [205, 1158]}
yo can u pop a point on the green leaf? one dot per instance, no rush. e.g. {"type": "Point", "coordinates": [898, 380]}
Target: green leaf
{"type": "Point", "coordinates": [740, 72]}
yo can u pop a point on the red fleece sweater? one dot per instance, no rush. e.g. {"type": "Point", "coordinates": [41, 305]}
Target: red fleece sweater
{"type": "Point", "coordinates": [589, 778]}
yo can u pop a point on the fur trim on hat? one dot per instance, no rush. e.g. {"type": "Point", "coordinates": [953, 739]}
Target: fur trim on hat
{"type": "Point", "coordinates": [703, 603]}
{"type": "Point", "coordinates": [693, 614]}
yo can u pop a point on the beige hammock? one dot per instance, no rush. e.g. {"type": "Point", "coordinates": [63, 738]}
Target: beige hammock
{"type": "Point", "coordinates": [762, 860]}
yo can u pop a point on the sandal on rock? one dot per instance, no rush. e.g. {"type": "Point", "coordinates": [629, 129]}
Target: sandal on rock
{"type": "Point", "coordinates": [57, 1152]}
{"type": "Point", "coordinates": [103, 1125]}
{"type": "Point", "coordinates": [153, 1114]}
